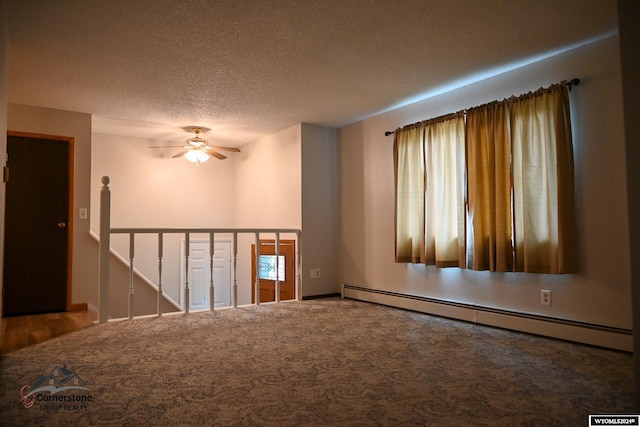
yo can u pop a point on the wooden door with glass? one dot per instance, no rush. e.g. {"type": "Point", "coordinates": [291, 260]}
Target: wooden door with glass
{"type": "Point", "coordinates": [269, 270]}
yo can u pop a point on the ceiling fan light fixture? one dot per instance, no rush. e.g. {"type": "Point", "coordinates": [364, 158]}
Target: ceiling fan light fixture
{"type": "Point", "coordinates": [197, 142]}
{"type": "Point", "coordinates": [196, 156]}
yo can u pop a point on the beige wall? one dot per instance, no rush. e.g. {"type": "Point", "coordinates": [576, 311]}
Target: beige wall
{"type": "Point", "coordinates": [268, 193]}
{"type": "Point", "coordinates": [320, 210]}
{"type": "Point", "coordinates": [23, 118]}
{"type": "Point", "coordinates": [267, 179]}
{"type": "Point", "coordinates": [599, 294]}
{"type": "Point", "coordinates": [151, 189]}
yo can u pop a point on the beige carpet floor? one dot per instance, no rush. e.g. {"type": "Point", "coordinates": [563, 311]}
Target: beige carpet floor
{"type": "Point", "coordinates": [325, 362]}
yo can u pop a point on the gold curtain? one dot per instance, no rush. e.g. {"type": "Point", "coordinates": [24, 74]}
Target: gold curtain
{"type": "Point", "coordinates": [543, 174]}
{"type": "Point", "coordinates": [489, 219]}
{"type": "Point", "coordinates": [494, 192]}
{"type": "Point", "coordinates": [408, 156]}
{"type": "Point", "coordinates": [520, 213]}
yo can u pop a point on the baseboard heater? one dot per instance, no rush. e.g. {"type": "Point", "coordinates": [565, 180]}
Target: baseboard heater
{"type": "Point", "coordinates": [585, 333]}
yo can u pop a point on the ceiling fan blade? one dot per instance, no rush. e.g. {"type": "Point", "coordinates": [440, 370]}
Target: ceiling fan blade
{"type": "Point", "coordinates": [237, 150]}
{"type": "Point", "coordinates": [167, 146]}
{"type": "Point", "coordinates": [210, 151]}
{"type": "Point", "coordinates": [180, 154]}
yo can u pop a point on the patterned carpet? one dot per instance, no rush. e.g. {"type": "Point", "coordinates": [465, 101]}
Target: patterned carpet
{"type": "Point", "coordinates": [326, 362]}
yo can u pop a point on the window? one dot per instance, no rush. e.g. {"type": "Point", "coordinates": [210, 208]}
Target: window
{"type": "Point", "coordinates": [490, 188]}
{"type": "Point", "coordinates": [267, 268]}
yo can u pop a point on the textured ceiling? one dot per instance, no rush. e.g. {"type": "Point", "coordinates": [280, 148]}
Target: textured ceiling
{"type": "Point", "coordinates": [249, 68]}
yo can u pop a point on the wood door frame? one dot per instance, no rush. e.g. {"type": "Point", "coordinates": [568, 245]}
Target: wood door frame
{"type": "Point", "coordinates": [70, 218]}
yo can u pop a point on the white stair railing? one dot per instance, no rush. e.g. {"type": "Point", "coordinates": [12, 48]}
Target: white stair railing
{"type": "Point", "coordinates": [105, 238]}
{"type": "Point", "coordinates": [160, 254]}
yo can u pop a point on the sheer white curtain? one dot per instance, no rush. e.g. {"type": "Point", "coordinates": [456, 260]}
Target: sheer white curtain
{"type": "Point", "coordinates": [429, 175]}
{"type": "Point", "coordinates": [444, 168]}
{"type": "Point", "coordinates": [543, 177]}
{"type": "Point", "coordinates": [408, 150]}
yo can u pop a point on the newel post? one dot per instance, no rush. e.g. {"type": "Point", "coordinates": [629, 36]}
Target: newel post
{"type": "Point", "coordinates": [103, 263]}
{"type": "Point", "coordinates": [299, 265]}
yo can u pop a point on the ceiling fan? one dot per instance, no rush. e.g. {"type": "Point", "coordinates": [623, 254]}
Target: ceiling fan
{"type": "Point", "coordinates": [198, 150]}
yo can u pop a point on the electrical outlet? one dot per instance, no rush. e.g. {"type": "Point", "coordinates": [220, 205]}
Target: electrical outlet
{"type": "Point", "coordinates": [315, 273]}
{"type": "Point", "coordinates": [545, 297]}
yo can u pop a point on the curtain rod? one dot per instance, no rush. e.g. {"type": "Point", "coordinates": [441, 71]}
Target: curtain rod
{"type": "Point", "coordinates": [570, 84]}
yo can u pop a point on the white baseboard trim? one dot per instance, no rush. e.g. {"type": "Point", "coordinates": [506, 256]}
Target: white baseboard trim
{"type": "Point", "coordinates": [93, 310]}
{"type": "Point", "coordinates": [585, 333]}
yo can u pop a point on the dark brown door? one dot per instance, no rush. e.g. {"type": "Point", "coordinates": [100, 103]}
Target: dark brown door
{"type": "Point", "coordinates": [36, 243]}
{"type": "Point", "coordinates": [268, 275]}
